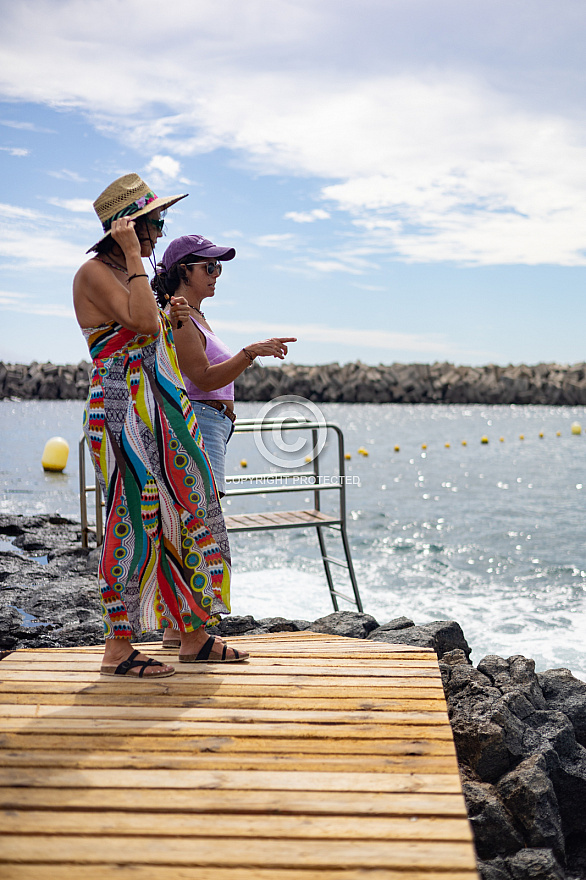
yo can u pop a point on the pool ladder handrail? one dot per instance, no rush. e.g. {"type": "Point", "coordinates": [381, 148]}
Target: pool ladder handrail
{"type": "Point", "coordinates": [271, 520]}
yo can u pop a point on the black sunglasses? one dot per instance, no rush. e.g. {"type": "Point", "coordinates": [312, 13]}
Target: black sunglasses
{"type": "Point", "coordinates": [158, 224]}
{"type": "Point", "coordinates": [212, 266]}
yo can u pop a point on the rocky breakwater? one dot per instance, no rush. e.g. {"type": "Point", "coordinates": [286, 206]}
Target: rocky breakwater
{"type": "Point", "coordinates": [44, 381]}
{"type": "Point", "coordinates": [418, 383]}
{"type": "Point", "coordinates": [552, 384]}
{"type": "Point", "coordinates": [520, 736]}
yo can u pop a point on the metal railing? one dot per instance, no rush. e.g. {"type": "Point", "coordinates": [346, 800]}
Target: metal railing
{"type": "Point", "coordinates": [281, 483]}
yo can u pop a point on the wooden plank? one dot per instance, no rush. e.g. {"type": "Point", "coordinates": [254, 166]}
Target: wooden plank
{"type": "Point", "coordinates": [301, 826]}
{"type": "Point", "coordinates": [212, 801]}
{"type": "Point", "coordinates": [246, 675]}
{"type": "Point", "coordinates": [224, 744]}
{"type": "Point", "coordinates": [241, 779]}
{"type": "Point", "coordinates": [284, 637]}
{"type": "Point", "coordinates": [135, 871]}
{"type": "Point", "coordinates": [267, 761]}
{"type": "Point", "coordinates": [158, 850]}
{"type": "Point", "coordinates": [249, 717]}
{"type": "Point", "coordinates": [77, 718]}
{"type": "Point", "coordinates": [424, 697]}
{"type": "Point", "coordinates": [89, 697]}
{"type": "Point", "coordinates": [301, 665]}
{"type": "Point", "coordinates": [271, 647]}
{"type": "Point", "coordinates": [279, 519]}
{"type": "Point", "coordinates": [145, 727]}
{"type": "Point", "coordinates": [262, 723]}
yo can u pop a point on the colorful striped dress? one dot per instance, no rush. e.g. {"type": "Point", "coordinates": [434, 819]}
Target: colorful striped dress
{"type": "Point", "coordinates": [165, 559]}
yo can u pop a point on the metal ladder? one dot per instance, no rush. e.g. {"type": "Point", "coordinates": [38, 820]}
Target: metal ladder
{"type": "Point", "coordinates": [279, 483]}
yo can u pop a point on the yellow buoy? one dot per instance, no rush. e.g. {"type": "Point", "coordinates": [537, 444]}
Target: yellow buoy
{"type": "Point", "coordinates": [397, 449]}
{"type": "Point", "coordinates": [424, 445]}
{"type": "Point", "coordinates": [447, 445]}
{"type": "Point", "coordinates": [363, 451]}
{"type": "Point", "coordinates": [55, 454]}
{"type": "Point", "coordinates": [502, 439]}
{"type": "Point", "coordinates": [558, 433]}
{"type": "Point", "coordinates": [307, 459]}
{"type": "Point", "coordinates": [464, 443]}
{"type": "Point", "coordinates": [243, 462]}
{"type": "Point", "coordinates": [576, 428]}
{"type": "Point", "coordinates": [347, 456]}
{"type": "Point", "coordinates": [484, 439]}
{"type": "Point", "coordinates": [541, 433]}
{"type": "Point", "coordinates": [521, 436]}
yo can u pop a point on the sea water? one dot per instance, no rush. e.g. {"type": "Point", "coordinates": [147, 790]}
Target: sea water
{"type": "Point", "coordinates": [489, 534]}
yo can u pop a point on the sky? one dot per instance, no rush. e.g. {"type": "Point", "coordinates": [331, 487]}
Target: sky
{"type": "Point", "coordinates": [403, 180]}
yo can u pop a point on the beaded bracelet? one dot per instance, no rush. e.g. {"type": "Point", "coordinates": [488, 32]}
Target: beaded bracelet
{"type": "Point", "coordinates": [138, 275]}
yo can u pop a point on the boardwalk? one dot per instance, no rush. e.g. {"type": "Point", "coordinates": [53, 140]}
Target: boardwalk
{"type": "Point", "coordinates": [322, 757]}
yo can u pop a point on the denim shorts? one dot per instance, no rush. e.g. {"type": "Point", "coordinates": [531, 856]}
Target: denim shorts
{"type": "Point", "coordinates": [216, 429]}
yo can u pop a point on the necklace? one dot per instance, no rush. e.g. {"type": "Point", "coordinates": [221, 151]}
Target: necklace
{"type": "Point", "coordinates": [199, 312]}
{"type": "Point", "coordinates": [113, 265]}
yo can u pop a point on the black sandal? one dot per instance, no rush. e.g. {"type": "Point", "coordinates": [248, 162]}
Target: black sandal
{"type": "Point", "coordinates": [203, 656]}
{"type": "Point", "coordinates": [128, 664]}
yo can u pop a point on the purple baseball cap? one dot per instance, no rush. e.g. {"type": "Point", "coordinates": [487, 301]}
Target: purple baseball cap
{"type": "Point", "coordinates": [197, 245]}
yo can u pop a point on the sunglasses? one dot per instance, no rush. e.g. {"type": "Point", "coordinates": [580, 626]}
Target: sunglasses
{"type": "Point", "coordinates": [158, 224]}
{"type": "Point", "coordinates": [212, 266]}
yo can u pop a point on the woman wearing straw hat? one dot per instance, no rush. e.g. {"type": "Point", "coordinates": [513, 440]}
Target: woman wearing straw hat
{"type": "Point", "coordinates": [165, 558]}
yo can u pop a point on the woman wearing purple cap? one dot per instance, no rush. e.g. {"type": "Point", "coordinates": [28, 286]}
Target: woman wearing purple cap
{"type": "Point", "coordinates": [186, 275]}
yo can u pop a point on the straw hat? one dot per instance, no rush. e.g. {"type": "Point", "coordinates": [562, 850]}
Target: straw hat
{"type": "Point", "coordinates": [128, 196]}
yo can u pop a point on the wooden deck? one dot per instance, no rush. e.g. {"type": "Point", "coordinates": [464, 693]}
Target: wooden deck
{"type": "Point", "coordinates": [322, 757]}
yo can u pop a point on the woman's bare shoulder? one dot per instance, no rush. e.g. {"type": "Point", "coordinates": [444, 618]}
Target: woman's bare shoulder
{"type": "Point", "coordinates": [90, 271]}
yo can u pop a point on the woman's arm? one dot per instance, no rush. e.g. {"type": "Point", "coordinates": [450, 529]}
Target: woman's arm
{"type": "Point", "coordinates": [194, 364]}
{"type": "Point", "coordinates": [98, 296]}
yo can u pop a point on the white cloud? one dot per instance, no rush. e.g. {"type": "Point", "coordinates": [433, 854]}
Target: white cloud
{"type": "Point", "coordinates": [334, 266]}
{"type": "Point", "coordinates": [25, 126]}
{"type": "Point", "coordinates": [307, 216]}
{"type": "Point", "coordinates": [65, 174]}
{"type": "Point", "coordinates": [167, 167]}
{"type": "Point", "coordinates": [77, 206]}
{"type": "Point", "coordinates": [11, 299]}
{"type": "Point", "coordinates": [24, 303]}
{"type": "Point", "coordinates": [283, 240]}
{"type": "Point", "coordinates": [434, 345]}
{"type": "Point", "coordinates": [15, 212]}
{"type": "Point", "coordinates": [29, 239]}
{"type": "Point", "coordinates": [16, 151]}
{"type": "Point", "coordinates": [372, 287]}
{"type": "Point", "coordinates": [436, 157]}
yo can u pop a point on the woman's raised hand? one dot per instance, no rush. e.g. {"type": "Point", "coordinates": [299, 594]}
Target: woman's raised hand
{"type": "Point", "coordinates": [276, 347]}
{"type": "Point", "coordinates": [179, 311]}
{"type": "Point", "coordinates": [124, 234]}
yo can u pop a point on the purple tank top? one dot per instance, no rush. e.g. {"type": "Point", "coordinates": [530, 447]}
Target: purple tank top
{"type": "Point", "coordinates": [216, 353]}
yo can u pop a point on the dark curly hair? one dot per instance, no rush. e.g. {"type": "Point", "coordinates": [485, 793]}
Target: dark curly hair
{"type": "Point", "coordinates": [166, 281]}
